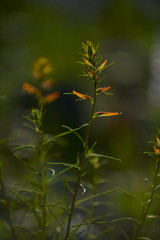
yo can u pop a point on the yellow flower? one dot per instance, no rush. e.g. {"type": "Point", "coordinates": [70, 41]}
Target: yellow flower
{"type": "Point", "coordinates": [158, 141]}
{"type": "Point", "coordinates": [101, 67]}
{"type": "Point", "coordinates": [41, 67]}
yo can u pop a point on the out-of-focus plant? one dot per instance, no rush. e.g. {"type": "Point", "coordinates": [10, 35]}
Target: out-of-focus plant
{"type": "Point", "coordinates": [147, 205]}
{"type": "Point", "coordinates": [41, 71]}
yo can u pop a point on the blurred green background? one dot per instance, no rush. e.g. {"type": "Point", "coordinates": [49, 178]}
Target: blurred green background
{"type": "Point", "coordinates": [129, 35]}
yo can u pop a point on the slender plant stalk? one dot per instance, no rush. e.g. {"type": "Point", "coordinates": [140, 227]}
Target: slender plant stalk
{"type": "Point", "coordinates": [12, 230]}
{"type": "Point", "coordinates": [82, 164]}
{"type": "Point", "coordinates": [92, 71]}
{"type": "Point", "coordinates": [150, 201]}
{"type": "Point", "coordinates": [44, 173]}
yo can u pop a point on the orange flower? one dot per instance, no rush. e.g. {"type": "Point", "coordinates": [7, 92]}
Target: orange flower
{"type": "Point", "coordinates": [157, 151]}
{"type": "Point", "coordinates": [105, 114]}
{"type": "Point", "coordinates": [83, 96]}
{"type": "Point", "coordinates": [30, 89]}
{"type": "Point", "coordinates": [90, 73]}
{"type": "Point", "coordinates": [87, 62]}
{"type": "Point", "coordinates": [103, 89]}
{"type": "Point", "coordinates": [47, 84]}
{"type": "Point", "coordinates": [50, 97]}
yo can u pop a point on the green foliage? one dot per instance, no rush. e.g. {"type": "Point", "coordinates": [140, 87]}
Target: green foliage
{"type": "Point", "coordinates": [52, 198]}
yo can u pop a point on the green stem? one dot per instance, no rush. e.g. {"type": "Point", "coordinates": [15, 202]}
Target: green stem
{"type": "Point", "coordinates": [13, 234]}
{"type": "Point", "coordinates": [82, 164]}
{"type": "Point", "coordinates": [150, 201]}
{"type": "Point", "coordinates": [44, 186]}
{"type": "Point", "coordinates": [42, 180]}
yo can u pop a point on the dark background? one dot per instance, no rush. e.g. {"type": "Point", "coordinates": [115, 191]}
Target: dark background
{"type": "Point", "coordinates": [129, 35]}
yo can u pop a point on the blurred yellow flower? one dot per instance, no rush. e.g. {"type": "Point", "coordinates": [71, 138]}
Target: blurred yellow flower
{"type": "Point", "coordinates": [41, 67]}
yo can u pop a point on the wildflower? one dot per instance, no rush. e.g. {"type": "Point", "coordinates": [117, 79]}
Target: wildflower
{"type": "Point", "coordinates": [101, 67]}
{"type": "Point", "coordinates": [83, 96]}
{"type": "Point", "coordinates": [47, 84]}
{"type": "Point", "coordinates": [41, 68]}
{"type": "Point", "coordinates": [30, 89]}
{"type": "Point", "coordinates": [87, 62]}
{"type": "Point", "coordinates": [157, 151]}
{"type": "Point", "coordinates": [158, 141]}
{"type": "Point", "coordinates": [103, 89]}
{"type": "Point", "coordinates": [105, 114]}
{"type": "Point", "coordinates": [50, 97]}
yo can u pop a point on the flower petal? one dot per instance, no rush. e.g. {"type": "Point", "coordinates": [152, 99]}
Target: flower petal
{"type": "Point", "coordinates": [83, 96]}
{"type": "Point", "coordinates": [157, 151]}
{"type": "Point", "coordinates": [158, 141]}
{"type": "Point", "coordinates": [30, 89]}
{"type": "Point", "coordinates": [50, 97]}
{"type": "Point", "coordinates": [105, 114]}
{"type": "Point", "coordinates": [87, 62]}
{"type": "Point", "coordinates": [100, 68]}
{"type": "Point", "coordinates": [103, 89]}
{"type": "Point", "coordinates": [48, 83]}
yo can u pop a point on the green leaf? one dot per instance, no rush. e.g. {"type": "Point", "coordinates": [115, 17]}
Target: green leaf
{"type": "Point", "coordinates": [89, 151]}
{"type": "Point", "coordinates": [57, 174]}
{"type": "Point", "coordinates": [68, 132]}
{"type": "Point", "coordinates": [64, 164]}
{"type": "Point", "coordinates": [130, 194]}
{"type": "Point", "coordinates": [74, 131]}
{"type": "Point", "coordinates": [125, 218]}
{"type": "Point", "coordinates": [25, 164]}
{"type": "Point", "coordinates": [102, 156]}
{"type": "Point", "coordinates": [25, 147]}
{"type": "Point", "coordinates": [21, 198]}
{"type": "Point", "coordinates": [96, 195]}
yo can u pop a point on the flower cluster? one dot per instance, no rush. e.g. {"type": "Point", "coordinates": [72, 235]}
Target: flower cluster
{"type": "Point", "coordinates": [41, 72]}
{"type": "Point", "coordinates": [157, 146]}
{"type": "Point", "coordinates": [93, 70]}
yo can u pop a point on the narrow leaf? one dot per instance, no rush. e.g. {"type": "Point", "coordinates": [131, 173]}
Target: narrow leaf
{"type": "Point", "coordinates": [95, 195]}
{"type": "Point", "coordinates": [102, 156]}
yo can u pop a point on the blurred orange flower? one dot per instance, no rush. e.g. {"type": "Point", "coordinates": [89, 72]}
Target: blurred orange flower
{"type": "Point", "coordinates": [157, 151]}
{"type": "Point", "coordinates": [30, 89]}
{"type": "Point", "coordinates": [50, 97]}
